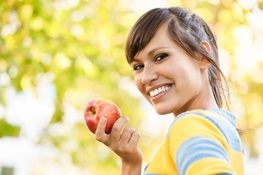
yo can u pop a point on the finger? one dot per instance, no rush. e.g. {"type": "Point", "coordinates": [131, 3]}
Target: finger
{"type": "Point", "coordinates": [117, 129]}
{"type": "Point", "coordinates": [134, 138]}
{"type": "Point", "coordinates": [100, 134]}
{"type": "Point", "coordinates": [127, 134]}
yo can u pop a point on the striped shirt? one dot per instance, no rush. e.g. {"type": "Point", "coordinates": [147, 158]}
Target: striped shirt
{"type": "Point", "coordinates": [200, 142]}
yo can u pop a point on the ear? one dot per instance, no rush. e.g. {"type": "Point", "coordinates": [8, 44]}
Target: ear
{"type": "Point", "coordinates": [204, 63]}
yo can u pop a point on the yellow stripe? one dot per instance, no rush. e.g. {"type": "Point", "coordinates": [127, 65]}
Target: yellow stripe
{"type": "Point", "coordinates": [210, 166]}
{"type": "Point", "coordinates": [236, 159]}
{"type": "Point", "coordinates": [162, 163]}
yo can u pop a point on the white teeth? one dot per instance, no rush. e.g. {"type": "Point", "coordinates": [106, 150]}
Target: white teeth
{"type": "Point", "coordinates": [159, 90]}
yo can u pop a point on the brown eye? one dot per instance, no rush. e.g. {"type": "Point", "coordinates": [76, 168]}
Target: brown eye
{"type": "Point", "coordinates": [160, 57]}
{"type": "Point", "coordinates": [137, 67]}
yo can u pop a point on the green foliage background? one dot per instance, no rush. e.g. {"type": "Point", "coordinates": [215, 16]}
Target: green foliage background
{"type": "Point", "coordinates": [80, 46]}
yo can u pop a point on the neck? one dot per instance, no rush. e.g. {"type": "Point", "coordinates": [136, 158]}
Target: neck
{"type": "Point", "coordinates": [204, 101]}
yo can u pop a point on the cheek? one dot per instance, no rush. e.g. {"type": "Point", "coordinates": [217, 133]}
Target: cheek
{"type": "Point", "coordinates": [138, 83]}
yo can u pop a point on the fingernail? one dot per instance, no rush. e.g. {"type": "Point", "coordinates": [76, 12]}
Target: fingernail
{"type": "Point", "coordinates": [103, 120]}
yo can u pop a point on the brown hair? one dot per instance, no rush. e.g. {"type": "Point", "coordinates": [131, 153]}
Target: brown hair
{"type": "Point", "coordinates": [187, 30]}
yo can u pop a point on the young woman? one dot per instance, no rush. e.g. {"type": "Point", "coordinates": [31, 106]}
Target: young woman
{"type": "Point", "coordinates": [174, 56]}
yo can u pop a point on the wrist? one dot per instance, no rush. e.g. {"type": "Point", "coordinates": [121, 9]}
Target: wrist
{"type": "Point", "coordinates": [131, 168]}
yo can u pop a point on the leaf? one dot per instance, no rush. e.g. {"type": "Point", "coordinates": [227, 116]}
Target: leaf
{"type": "Point", "coordinates": [8, 130]}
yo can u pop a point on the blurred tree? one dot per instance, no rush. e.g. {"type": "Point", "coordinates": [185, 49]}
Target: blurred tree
{"type": "Point", "coordinates": [79, 46]}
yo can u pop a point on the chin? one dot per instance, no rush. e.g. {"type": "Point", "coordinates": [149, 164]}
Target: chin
{"type": "Point", "coordinates": [162, 111]}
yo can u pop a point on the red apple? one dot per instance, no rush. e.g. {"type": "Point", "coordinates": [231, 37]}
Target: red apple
{"type": "Point", "coordinates": [98, 108]}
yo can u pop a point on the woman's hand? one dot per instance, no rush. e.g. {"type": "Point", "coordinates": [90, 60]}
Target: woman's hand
{"type": "Point", "coordinates": [124, 142]}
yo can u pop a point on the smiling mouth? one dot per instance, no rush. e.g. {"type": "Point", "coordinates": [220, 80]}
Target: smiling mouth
{"type": "Point", "coordinates": [159, 90]}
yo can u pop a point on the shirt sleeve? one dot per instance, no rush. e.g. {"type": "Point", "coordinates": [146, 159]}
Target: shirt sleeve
{"type": "Point", "coordinates": [198, 147]}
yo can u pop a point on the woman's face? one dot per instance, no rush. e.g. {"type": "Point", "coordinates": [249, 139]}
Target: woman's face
{"type": "Point", "coordinates": [170, 79]}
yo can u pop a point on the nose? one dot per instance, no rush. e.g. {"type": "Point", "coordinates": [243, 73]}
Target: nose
{"type": "Point", "coordinates": [148, 75]}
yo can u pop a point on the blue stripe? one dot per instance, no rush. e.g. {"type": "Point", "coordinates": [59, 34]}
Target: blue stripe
{"type": "Point", "coordinates": [229, 116]}
{"type": "Point", "coordinates": [197, 148]}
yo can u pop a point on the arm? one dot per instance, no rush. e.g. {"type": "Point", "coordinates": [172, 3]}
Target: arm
{"type": "Point", "coordinates": [123, 141]}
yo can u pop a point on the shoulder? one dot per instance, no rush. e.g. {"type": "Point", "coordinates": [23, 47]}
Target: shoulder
{"type": "Point", "coordinates": [210, 120]}
{"type": "Point", "coordinates": [200, 125]}
{"type": "Point", "coordinates": [199, 138]}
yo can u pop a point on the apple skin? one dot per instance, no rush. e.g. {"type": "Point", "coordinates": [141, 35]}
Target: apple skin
{"type": "Point", "coordinates": [97, 108]}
